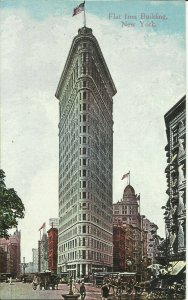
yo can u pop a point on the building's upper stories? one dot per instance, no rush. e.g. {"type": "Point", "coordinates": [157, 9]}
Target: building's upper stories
{"type": "Point", "coordinates": [127, 210]}
{"type": "Point", "coordinates": [84, 56]}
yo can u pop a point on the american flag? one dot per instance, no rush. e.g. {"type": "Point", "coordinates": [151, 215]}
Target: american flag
{"type": "Point", "coordinates": [125, 175]}
{"type": "Point", "coordinates": [78, 9]}
{"type": "Point", "coordinates": [43, 226]}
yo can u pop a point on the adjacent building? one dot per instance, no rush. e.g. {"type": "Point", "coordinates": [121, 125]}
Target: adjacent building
{"type": "Point", "coordinates": [52, 249]}
{"type": "Point", "coordinates": [85, 93]}
{"type": "Point", "coordinates": [152, 239]}
{"type": "Point", "coordinates": [175, 209]}
{"type": "Point", "coordinates": [3, 258]}
{"type": "Point", "coordinates": [126, 213]}
{"type": "Point", "coordinates": [35, 259]}
{"type": "Point", "coordinates": [43, 253]}
{"type": "Point", "coordinates": [119, 256]}
{"type": "Point", "coordinates": [10, 254]}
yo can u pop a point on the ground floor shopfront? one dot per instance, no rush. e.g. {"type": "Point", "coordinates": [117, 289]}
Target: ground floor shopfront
{"type": "Point", "coordinates": [83, 269]}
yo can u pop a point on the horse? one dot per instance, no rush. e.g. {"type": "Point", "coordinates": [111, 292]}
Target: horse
{"type": "Point", "coordinates": [147, 286]}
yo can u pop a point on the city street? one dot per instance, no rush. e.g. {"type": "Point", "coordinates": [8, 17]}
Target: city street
{"type": "Point", "coordinates": [25, 291]}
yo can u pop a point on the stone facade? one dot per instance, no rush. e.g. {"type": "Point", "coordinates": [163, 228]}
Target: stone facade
{"type": "Point", "coordinates": [175, 209]}
{"type": "Point", "coordinates": [126, 213]}
{"type": "Point", "coordinates": [85, 94]}
{"type": "Point", "coordinates": [152, 240]}
{"type": "Point", "coordinates": [43, 253]}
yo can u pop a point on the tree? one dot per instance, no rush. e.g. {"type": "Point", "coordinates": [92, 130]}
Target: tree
{"type": "Point", "coordinates": [11, 207]}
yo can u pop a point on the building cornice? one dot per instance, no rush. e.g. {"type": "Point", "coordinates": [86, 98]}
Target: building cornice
{"type": "Point", "coordinates": [175, 110]}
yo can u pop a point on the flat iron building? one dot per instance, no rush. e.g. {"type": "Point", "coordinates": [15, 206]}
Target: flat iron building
{"type": "Point", "coordinates": [85, 94]}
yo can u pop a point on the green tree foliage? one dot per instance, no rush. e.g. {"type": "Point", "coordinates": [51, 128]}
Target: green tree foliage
{"type": "Point", "coordinates": [11, 207]}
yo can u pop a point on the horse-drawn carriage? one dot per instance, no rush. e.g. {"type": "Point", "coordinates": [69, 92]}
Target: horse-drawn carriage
{"type": "Point", "coordinates": [162, 287]}
{"type": "Point", "coordinates": [169, 285]}
{"type": "Point", "coordinates": [166, 285]}
{"type": "Point", "coordinates": [45, 280]}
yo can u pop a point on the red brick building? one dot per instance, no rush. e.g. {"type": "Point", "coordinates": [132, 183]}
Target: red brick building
{"type": "Point", "coordinates": [10, 254]}
{"type": "Point", "coordinates": [3, 260]}
{"type": "Point", "coordinates": [119, 248]}
{"type": "Point", "coordinates": [52, 249]}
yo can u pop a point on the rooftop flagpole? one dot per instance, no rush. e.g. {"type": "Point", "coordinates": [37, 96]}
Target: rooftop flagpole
{"type": "Point", "coordinates": [84, 14]}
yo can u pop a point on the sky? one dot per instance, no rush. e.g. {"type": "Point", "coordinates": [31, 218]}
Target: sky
{"type": "Point", "coordinates": [147, 63]}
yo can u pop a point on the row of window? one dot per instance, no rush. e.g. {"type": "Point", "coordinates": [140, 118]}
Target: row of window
{"type": "Point", "coordinates": [85, 254]}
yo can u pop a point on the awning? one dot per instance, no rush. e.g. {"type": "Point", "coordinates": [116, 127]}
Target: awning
{"type": "Point", "coordinates": [176, 267]}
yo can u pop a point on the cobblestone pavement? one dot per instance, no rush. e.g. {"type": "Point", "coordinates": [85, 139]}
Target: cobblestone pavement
{"type": "Point", "coordinates": [25, 291]}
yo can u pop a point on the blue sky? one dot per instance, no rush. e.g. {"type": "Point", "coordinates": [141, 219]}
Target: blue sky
{"type": "Point", "coordinates": [174, 10]}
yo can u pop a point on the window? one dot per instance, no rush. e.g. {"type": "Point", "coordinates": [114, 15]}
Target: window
{"type": "Point", "coordinates": [84, 83]}
{"type": "Point", "coordinates": [84, 162]}
{"type": "Point", "coordinates": [84, 118]}
{"type": "Point", "coordinates": [84, 218]}
{"type": "Point", "coordinates": [84, 254]}
{"type": "Point", "coordinates": [84, 139]}
{"type": "Point", "coordinates": [84, 184]}
{"type": "Point", "coordinates": [84, 229]}
{"type": "Point", "coordinates": [84, 150]}
{"type": "Point", "coordinates": [84, 129]}
{"type": "Point", "coordinates": [84, 195]}
{"type": "Point", "coordinates": [84, 95]}
{"type": "Point", "coordinates": [84, 106]}
{"type": "Point", "coordinates": [84, 57]}
{"type": "Point", "coordinates": [84, 172]}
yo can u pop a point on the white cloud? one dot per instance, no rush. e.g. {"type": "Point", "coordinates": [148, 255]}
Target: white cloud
{"type": "Point", "coordinates": [148, 71]}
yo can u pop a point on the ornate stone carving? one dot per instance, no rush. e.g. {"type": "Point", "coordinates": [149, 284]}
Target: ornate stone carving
{"type": "Point", "coordinates": [181, 240]}
{"type": "Point", "coordinates": [181, 177]}
{"type": "Point", "coordinates": [181, 205]}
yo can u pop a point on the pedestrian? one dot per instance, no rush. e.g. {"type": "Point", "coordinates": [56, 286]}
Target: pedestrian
{"type": "Point", "coordinates": [105, 291]}
{"type": "Point", "coordinates": [82, 291]}
{"type": "Point", "coordinates": [111, 284]}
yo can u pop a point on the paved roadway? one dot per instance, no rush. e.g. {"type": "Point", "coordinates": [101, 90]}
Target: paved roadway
{"type": "Point", "coordinates": [24, 291]}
